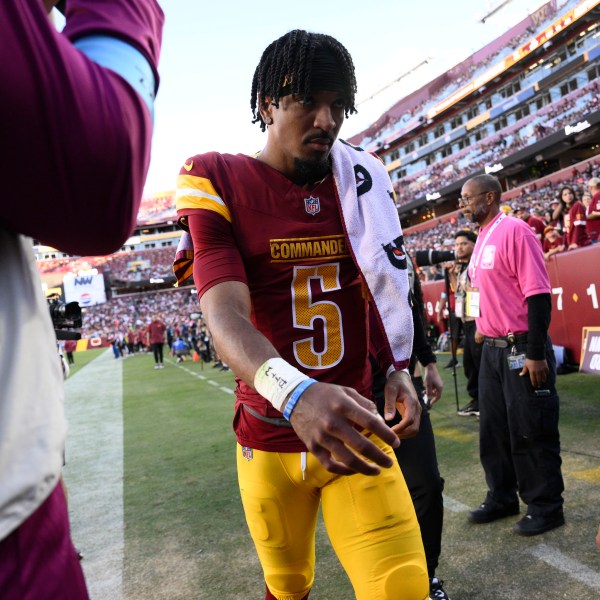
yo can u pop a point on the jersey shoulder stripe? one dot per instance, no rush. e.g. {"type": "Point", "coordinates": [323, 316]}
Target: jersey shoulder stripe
{"type": "Point", "coordinates": [198, 192]}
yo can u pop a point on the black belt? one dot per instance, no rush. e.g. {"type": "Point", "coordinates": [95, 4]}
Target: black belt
{"type": "Point", "coordinates": [277, 421]}
{"type": "Point", "coordinates": [506, 341]}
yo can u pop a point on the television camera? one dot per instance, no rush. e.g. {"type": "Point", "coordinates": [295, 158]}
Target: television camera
{"type": "Point", "coordinates": [66, 318]}
{"type": "Point", "coordinates": [425, 258]}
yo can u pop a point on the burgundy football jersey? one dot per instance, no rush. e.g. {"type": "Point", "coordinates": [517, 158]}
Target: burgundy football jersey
{"type": "Point", "coordinates": [250, 223]}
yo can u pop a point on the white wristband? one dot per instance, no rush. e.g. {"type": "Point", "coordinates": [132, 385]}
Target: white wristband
{"type": "Point", "coordinates": [392, 369]}
{"type": "Point", "coordinates": [275, 379]}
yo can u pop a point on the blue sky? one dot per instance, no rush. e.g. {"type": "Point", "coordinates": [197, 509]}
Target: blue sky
{"type": "Point", "coordinates": [210, 51]}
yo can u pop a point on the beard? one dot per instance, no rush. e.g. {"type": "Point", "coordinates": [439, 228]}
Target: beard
{"type": "Point", "coordinates": [478, 214]}
{"type": "Point", "coordinates": [310, 171]}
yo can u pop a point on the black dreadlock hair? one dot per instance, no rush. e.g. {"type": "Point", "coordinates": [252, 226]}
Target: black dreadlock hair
{"type": "Point", "coordinates": [287, 62]}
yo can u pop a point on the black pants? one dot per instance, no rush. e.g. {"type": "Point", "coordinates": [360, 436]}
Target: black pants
{"type": "Point", "coordinates": [418, 462]}
{"type": "Point", "coordinates": [471, 359]}
{"type": "Point", "coordinates": [157, 348]}
{"type": "Point", "coordinates": [519, 442]}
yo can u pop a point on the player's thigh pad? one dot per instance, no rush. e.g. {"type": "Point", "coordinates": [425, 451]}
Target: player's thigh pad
{"type": "Point", "coordinates": [281, 511]}
{"type": "Point", "coordinates": [374, 530]}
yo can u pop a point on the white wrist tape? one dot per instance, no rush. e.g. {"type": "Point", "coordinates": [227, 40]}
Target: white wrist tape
{"type": "Point", "coordinates": [275, 379]}
{"type": "Point", "coordinates": [392, 369]}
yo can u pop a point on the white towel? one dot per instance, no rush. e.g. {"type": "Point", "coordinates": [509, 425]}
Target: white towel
{"type": "Point", "coordinates": [373, 230]}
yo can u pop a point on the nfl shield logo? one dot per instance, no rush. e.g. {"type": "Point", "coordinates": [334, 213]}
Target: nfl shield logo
{"type": "Point", "coordinates": [247, 452]}
{"type": "Point", "coordinates": [312, 205]}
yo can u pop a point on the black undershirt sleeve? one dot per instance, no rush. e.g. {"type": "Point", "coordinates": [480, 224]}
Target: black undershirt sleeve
{"type": "Point", "coordinates": [539, 308]}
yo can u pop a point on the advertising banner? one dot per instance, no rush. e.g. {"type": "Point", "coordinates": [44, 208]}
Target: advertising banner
{"type": "Point", "coordinates": [88, 290]}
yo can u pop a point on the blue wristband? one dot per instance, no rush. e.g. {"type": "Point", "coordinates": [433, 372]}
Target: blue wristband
{"type": "Point", "coordinates": [298, 391]}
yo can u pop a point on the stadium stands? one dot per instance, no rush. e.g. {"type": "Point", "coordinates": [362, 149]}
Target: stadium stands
{"type": "Point", "coordinates": [524, 106]}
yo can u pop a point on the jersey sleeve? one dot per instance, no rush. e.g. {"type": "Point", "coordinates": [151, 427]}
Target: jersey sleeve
{"type": "Point", "coordinates": [579, 234]}
{"type": "Point", "coordinates": [135, 22]}
{"type": "Point", "coordinates": [77, 136]}
{"type": "Point", "coordinates": [204, 214]}
{"type": "Point", "coordinates": [216, 256]}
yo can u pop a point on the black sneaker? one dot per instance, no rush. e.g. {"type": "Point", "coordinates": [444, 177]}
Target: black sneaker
{"type": "Point", "coordinates": [470, 410]}
{"type": "Point", "coordinates": [452, 363]}
{"type": "Point", "coordinates": [534, 525]}
{"type": "Point", "coordinates": [490, 511]}
{"type": "Point", "coordinates": [436, 590]}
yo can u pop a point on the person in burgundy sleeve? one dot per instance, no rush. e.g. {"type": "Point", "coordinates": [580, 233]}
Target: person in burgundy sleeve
{"type": "Point", "coordinates": [574, 220]}
{"type": "Point", "coordinates": [156, 338]}
{"type": "Point", "coordinates": [288, 310]}
{"type": "Point", "coordinates": [519, 442]}
{"type": "Point", "coordinates": [76, 122]}
{"type": "Point", "coordinates": [537, 225]}
{"type": "Point", "coordinates": [593, 210]}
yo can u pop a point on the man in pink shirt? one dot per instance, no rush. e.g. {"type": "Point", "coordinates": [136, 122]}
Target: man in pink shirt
{"type": "Point", "coordinates": [518, 402]}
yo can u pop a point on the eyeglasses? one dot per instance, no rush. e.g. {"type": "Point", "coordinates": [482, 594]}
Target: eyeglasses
{"type": "Point", "coordinates": [466, 199]}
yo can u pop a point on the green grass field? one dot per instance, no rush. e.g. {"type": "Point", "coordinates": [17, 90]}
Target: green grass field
{"type": "Point", "coordinates": [183, 534]}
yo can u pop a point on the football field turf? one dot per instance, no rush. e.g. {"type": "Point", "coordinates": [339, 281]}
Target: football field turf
{"type": "Point", "coordinates": [155, 507]}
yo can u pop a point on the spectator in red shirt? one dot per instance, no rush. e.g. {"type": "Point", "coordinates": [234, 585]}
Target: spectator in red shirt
{"type": "Point", "coordinates": [593, 210]}
{"type": "Point", "coordinates": [156, 334]}
{"type": "Point", "coordinates": [574, 220]}
{"type": "Point", "coordinates": [537, 225]}
{"type": "Point", "coordinates": [70, 347]}
{"type": "Point", "coordinates": [553, 242]}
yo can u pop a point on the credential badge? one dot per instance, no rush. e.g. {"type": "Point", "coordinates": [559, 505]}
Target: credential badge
{"type": "Point", "coordinates": [312, 205]}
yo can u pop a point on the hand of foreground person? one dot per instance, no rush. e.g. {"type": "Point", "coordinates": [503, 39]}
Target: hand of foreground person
{"type": "Point", "coordinates": [538, 372]}
{"type": "Point", "coordinates": [325, 419]}
{"type": "Point", "coordinates": [433, 383]}
{"type": "Point", "coordinates": [400, 396]}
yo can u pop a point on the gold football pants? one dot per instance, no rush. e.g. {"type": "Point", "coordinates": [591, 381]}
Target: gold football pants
{"type": "Point", "coordinates": [370, 520]}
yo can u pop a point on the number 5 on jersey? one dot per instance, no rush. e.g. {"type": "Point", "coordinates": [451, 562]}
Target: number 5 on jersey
{"type": "Point", "coordinates": [305, 311]}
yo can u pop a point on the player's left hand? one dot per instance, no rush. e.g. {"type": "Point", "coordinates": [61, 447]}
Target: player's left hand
{"type": "Point", "coordinates": [538, 371]}
{"type": "Point", "coordinates": [400, 395]}
{"type": "Point", "coordinates": [433, 383]}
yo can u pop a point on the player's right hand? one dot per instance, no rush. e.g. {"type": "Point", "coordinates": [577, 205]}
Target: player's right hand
{"type": "Point", "coordinates": [329, 418]}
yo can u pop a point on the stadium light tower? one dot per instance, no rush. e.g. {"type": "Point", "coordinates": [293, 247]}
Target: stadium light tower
{"type": "Point", "coordinates": [494, 10]}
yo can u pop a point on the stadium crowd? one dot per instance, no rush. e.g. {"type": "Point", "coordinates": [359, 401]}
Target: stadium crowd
{"type": "Point", "coordinates": [456, 77]}
{"type": "Point", "coordinates": [123, 266]}
{"type": "Point", "coordinates": [127, 315]}
{"type": "Point", "coordinates": [501, 144]}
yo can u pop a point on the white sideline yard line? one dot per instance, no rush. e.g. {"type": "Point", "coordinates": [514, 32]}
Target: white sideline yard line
{"type": "Point", "coordinates": [454, 505]}
{"type": "Point", "coordinates": [203, 377]}
{"type": "Point", "coordinates": [94, 472]}
{"type": "Point", "coordinates": [573, 568]}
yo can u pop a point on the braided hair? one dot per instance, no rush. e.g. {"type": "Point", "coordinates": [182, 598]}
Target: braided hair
{"type": "Point", "coordinates": [286, 68]}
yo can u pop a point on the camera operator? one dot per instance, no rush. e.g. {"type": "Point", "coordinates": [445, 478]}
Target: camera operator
{"type": "Point", "coordinates": [76, 121]}
{"type": "Point", "coordinates": [461, 285]}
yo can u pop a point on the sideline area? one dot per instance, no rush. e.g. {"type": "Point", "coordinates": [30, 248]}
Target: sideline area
{"type": "Point", "coordinates": [182, 508]}
{"type": "Point", "coordinates": [94, 472]}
